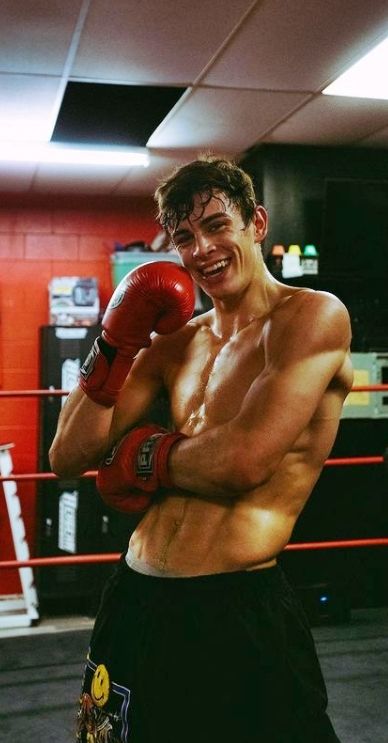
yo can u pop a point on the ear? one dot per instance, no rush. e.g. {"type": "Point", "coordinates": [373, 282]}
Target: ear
{"type": "Point", "coordinates": [260, 222]}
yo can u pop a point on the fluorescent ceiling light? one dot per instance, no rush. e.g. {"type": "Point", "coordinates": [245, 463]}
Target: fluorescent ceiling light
{"type": "Point", "coordinates": [12, 125]}
{"type": "Point", "coordinates": [367, 78]}
{"type": "Point", "coordinates": [38, 152]}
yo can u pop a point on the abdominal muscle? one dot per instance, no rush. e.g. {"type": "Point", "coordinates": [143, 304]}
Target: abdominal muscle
{"type": "Point", "coordinates": [188, 536]}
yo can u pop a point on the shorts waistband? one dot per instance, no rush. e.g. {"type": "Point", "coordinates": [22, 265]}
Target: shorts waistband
{"type": "Point", "coordinates": [264, 578]}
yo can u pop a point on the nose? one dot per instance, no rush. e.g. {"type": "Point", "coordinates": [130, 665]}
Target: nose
{"type": "Point", "coordinates": [203, 245]}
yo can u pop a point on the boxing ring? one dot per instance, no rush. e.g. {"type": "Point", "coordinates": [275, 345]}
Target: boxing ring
{"type": "Point", "coordinates": [79, 559]}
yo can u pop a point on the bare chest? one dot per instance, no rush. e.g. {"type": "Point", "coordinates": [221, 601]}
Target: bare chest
{"type": "Point", "coordinates": [210, 386]}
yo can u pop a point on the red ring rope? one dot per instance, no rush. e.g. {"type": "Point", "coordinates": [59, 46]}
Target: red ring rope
{"type": "Point", "coordinates": [376, 542]}
{"type": "Point", "coordinates": [353, 460]}
{"type": "Point", "coordinates": [114, 556]}
{"type": "Point", "coordinates": [62, 393]}
{"type": "Point", "coordinates": [341, 461]}
{"type": "Point", "coordinates": [369, 388]}
{"type": "Point", "coordinates": [42, 476]}
{"type": "Point", "coordinates": [35, 562]}
{"type": "Point", "coordinates": [34, 393]}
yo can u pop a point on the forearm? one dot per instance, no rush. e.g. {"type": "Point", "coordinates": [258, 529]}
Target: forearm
{"type": "Point", "coordinates": [150, 459]}
{"type": "Point", "coordinates": [217, 463]}
{"type": "Point", "coordinates": [82, 437]}
{"type": "Point", "coordinates": [140, 467]}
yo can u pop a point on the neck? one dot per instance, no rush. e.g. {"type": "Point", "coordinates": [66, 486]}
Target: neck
{"type": "Point", "coordinates": [232, 314]}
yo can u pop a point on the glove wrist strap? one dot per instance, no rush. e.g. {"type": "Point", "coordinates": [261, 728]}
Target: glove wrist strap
{"type": "Point", "coordinates": [103, 373]}
{"type": "Point", "coordinates": [152, 457]}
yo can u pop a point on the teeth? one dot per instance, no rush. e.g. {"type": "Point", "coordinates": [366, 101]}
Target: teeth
{"type": "Point", "coordinates": [215, 267]}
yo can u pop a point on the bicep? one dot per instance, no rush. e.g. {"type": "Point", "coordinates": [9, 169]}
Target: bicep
{"type": "Point", "coordinates": [282, 401]}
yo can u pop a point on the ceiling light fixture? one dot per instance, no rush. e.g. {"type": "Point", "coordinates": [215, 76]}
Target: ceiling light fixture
{"type": "Point", "coordinates": [367, 78]}
{"type": "Point", "coordinates": [50, 152]}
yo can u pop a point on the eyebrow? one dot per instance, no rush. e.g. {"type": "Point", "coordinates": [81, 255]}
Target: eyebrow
{"type": "Point", "coordinates": [204, 221]}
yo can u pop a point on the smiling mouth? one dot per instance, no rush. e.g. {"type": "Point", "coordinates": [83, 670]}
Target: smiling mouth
{"type": "Point", "coordinates": [216, 269]}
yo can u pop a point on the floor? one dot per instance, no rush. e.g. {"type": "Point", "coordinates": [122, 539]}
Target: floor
{"type": "Point", "coordinates": [354, 660]}
{"type": "Point", "coordinates": [41, 669]}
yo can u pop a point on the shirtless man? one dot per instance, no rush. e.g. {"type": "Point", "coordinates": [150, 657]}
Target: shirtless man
{"type": "Point", "coordinates": [199, 637]}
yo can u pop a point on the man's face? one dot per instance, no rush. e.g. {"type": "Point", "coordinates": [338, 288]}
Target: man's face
{"type": "Point", "coordinates": [217, 248]}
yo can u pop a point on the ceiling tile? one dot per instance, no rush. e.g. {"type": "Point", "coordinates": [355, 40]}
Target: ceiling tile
{"type": "Point", "coordinates": [298, 45]}
{"type": "Point", "coordinates": [161, 165]}
{"type": "Point", "coordinates": [223, 118]}
{"type": "Point", "coordinates": [332, 120]}
{"type": "Point", "coordinates": [251, 68]}
{"type": "Point", "coordinates": [35, 36]}
{"type": "Point", "coordinates": [28, 105]}
{"type": "Point", "coordinates": [153, 42]}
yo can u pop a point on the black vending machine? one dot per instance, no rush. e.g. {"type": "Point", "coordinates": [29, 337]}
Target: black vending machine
{"type": "Point", "coordinates": [72, 518]}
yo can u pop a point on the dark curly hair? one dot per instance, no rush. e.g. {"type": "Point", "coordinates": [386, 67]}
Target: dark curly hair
{"type": "Point", "coordinates": [204, 177]}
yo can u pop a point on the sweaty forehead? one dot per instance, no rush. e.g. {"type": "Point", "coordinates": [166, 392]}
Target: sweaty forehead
{"type": "Point", "coordinates": [204, 205]}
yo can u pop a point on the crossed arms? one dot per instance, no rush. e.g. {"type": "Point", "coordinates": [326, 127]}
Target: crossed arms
{"type": "Point", "coordinates": [303, 359]}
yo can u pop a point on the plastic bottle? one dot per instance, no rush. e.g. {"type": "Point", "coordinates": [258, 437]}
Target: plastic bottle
{"type": "Point", "coordinates": [275, 260]}
{"type": "Point", "coordinates": [291, 262]}
{"type": "Point", "coordinates": [310, 260]}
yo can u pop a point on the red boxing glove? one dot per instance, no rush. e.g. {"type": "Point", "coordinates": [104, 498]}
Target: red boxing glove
{"type": "Point", "coordinates": [138, 463]}
{"type": "Point", "coordinates": [157, 296]}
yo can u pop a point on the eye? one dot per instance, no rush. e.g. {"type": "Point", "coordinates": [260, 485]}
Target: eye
{"type": "Point", "coordinates": [215, 226]}
{"type": "Point", "coordinates": [183, 240]}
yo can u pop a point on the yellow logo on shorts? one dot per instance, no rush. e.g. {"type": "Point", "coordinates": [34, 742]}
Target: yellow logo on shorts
{"type": "Point", "coordinates": [100, 686]}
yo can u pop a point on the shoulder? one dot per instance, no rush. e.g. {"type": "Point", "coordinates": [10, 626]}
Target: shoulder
{"type": "Point", "coordinates": [326, 308]}
{"type": "Point", "coordinates": [306, 305]}
{"type": "Point", "coordinates": [312, 320]}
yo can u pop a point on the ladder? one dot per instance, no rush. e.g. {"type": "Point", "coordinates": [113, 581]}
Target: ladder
{"type": "Point", "coordinates": [17, 610]}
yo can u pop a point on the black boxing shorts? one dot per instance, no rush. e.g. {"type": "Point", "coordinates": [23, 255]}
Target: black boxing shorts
{"type": "Point", "coordinates": [225, 658]}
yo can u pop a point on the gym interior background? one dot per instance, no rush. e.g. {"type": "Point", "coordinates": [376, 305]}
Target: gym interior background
{"type": "Point", "coordinates": [52, 236]}
{"type": "Point", "coordinates": [250, 88]}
